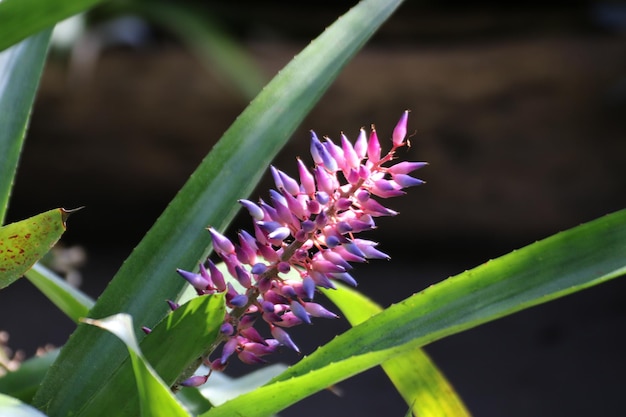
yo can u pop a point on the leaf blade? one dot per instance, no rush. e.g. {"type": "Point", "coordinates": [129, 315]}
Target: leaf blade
{"type": "Point", "coordinates": [20, 70]}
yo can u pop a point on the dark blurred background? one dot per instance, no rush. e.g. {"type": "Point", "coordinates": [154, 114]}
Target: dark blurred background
{"type": "Point", "coordinates": [519, 109]}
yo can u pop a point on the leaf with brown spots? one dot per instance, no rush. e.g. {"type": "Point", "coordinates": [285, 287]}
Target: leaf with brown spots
{"type": "Point", "coordinates": [25, 242]}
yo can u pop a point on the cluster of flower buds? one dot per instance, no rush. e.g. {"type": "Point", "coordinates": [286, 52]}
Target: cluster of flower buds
{"type": "Point", "coordinates": [307, 227]}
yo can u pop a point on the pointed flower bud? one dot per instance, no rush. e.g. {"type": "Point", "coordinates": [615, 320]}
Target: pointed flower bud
{"type": "Point", "coordinates": [399, 132]}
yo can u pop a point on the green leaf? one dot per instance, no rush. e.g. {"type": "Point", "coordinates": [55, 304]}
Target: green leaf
{"type": "Point", "coordinates": [561, 264]}
{"type": "Point", "coordinates": [12, 407]}
{"type": "Point", "coordinates": [23, 18]}
{"type": "Point", "coordinates": [23, 382]}
{"type": "Point", "coordinates": [423, 387]}
{"type": "Point", "coordinates": [156, 399]}
{"type": "Point", "coordinates": [20, 71]}
{"type": "Point", "coordinates": [172, 347]}
{"type": "Point", "coordinates": [73, 302]}
{"type": "Point", "coordinates": [228, 173]}
{"type": "Point", "coordinates": [25, 242]}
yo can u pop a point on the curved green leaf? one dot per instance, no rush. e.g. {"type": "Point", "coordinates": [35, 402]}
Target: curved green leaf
{"type": "Point", "coordinates": [228, 173]}
{"type": "Point", "coordinates": [172, 346]}
{"type": "Point", "coordinates": [23, 18]}
{"type": "Point", "coordinates": [155, 397]}
{"type": "Point", "coordinates": [73, 302]}
{"type": "Point", "coordinates": [25, 242]}
{"type": "Point", "coordinates": [424, 388]}
{"type": "Point", "coordinates": [561, 264]}
{"type": "Point", "coordinates": [20, 71]}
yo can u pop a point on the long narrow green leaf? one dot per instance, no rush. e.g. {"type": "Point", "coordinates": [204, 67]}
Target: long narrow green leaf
{"type": "Point", "coordinates": [228, 173]}
{"type": "Point", "coordinates": [73, 302]}
{"type": "Point", "coordinates": [559, 265]}
{"type": "Point", "coordinates": [418, 380]}
{"type": "Point", "coordinates": [20, 71]}
{"type": "Point", "coordinates": [20, 19]}
{"type": "Point", "coordinates": [155, 396]}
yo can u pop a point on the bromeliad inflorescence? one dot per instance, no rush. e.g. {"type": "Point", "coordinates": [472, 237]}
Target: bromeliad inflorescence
{"type": "Point", "coordinates": [308, 226]}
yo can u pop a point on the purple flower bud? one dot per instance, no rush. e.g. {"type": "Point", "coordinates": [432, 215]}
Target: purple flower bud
{"type": "Point", "coordinates": [246, 321]}
{"type": "Point", "coordinates": [288, 291]}
{"type": "Point", "coordinates": [173, 306]}
{"type": "Point", "coordinates": [336, 153]}
{"type": "Point", "coordinates": [307, 226]}
{"type": "Point", "coordinates": [146, 330]}
{"type": "Point", "coordinates": [283, 267]}
{"type": "Point", "coordinates": [306, 178]}
{"type": "Point", "coordinates": [324, 180]}
{"type": "Point", "coordinates": [343, 203]}
{"type": "Point", "coordinates": [326, 266]}
{"type": "Point", "coordinates": [298, 310]}
{"type": "Point", "coordinates": [345, 277]}
{"type": "Point", "coordinates": [321, 220]}
{"type": "Point", "coordinates": [405, 167]}
{"type": "Point", "coordinates": [283, 337]}
{"type": "Point", "coordinates": [332, 241]}
{"type": "Point", "coordinates": [251, 334]}
{"type": "Point", "coordinates": [369, 249]}
{"type": "Point", "coordinates": [196, 280]}
{"type": "Point", "coordinates": [375, 209]}
{"type": "Point", "coordinates": [268, 253]}
{"type": "Point", "coordinates": [227, 329]}
{"type": "Point", "coordinates": [399, 132]}
{"type": "Point", "coordinates": [296, 206]}
{"type": "Point", "coordinates": [352, 159]}
{"type": "Point", "coordinates": [322, 197]}
{"type": "Point", "coordinates": [217, 277]}
{"type": "Point", "coordinates": [221, 242]}
{"type": "Point", "coordinates": [362, 195]}
{"type": "Point", "coordinates": [254, 210]}
{"type": "Point", "coordinates": [289, 184]}
{"type": "Point", "coordinates": [373, 147]}
{"type": "Point", "coordinates": [406, 180]}
{"type": "Point", "coordinates": [243, 277]}
{"type": "Point", "coordinates": [308, 286]}
{"type": "Point", "coordinates": [321, 279]}
{"type": "Point", "coordinates": [343, 228]}
{"type": "Point", "coordinates": [317, 310]}
{"type": "Point", "coordinates": [336, 259]}
{"type": "Point", "coordinates": [281, 233]}
{"type": "Point", "coordinates": [239, 300]}
{"type": "Point", "coordinates": [320, 154]}
{"type": "Point", "coordinates": [195, 381]}
{"type": "Point", "coordinates": [360, 146]}
{"type": "Point", "coordinates": [249, 358]}
{"type": "Point", "coordinates": [313, 206]}
{"type": "Point", "coordinates": [258, 268]}
{"type": "Point", "coordinates": [229, 348]}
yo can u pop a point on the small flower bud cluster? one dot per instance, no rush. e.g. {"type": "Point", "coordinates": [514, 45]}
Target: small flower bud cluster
{"type": "Point", "coordinates": [309, 227]}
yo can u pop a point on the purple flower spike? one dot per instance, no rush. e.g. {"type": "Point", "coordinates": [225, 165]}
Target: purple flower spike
{"type": "Point", "coordinates": [303, 238]}
{"type": "Point", "coordinates": [399, 132]}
